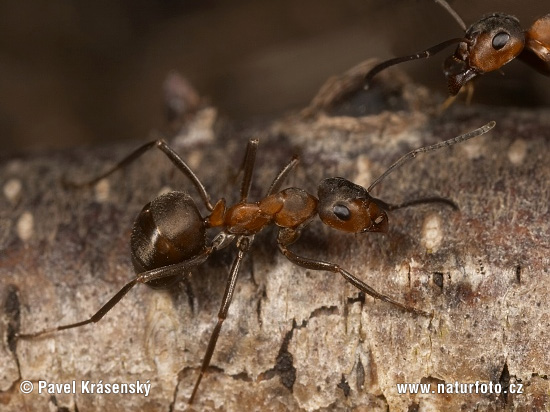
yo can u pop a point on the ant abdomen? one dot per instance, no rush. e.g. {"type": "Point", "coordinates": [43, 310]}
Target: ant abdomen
{"type": "Point", "coordinates": [168, 230]}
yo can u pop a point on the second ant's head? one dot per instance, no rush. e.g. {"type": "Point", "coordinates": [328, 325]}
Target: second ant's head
{"type": "Point", "coordinates": [346, 206]}
{"type": "Point", "coordinates": [489, 44]}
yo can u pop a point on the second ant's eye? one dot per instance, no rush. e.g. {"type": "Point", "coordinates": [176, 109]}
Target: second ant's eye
{"type": "Point", "coordinates": [341, 212]}
{"type": "Point", "coordinates": [500, 40]}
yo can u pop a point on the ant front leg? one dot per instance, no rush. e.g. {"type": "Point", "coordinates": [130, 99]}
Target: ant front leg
{"type": "Point", "coordinates": [144, 277]}
{"type": "Point", "coordinates": [334, 268]}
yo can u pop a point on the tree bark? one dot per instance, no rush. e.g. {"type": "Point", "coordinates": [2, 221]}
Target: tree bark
{"type": "Point", "coordinates": [295, 339]}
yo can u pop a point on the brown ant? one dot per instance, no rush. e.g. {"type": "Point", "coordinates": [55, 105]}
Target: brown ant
{"type": "Point", "coordinates": [169, 235]}
{"type": "Point", "coordinates": [490, 43]}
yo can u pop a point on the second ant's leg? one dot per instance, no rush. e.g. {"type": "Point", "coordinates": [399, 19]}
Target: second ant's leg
{"type": "Point", "coordinates": [333, 267]}
{"type": "Point", "coordinates": [222, 314]}
{"type": "Point", "coordinates": [170, 153]}
{"type": "Point", "coordinates": [166, 271]}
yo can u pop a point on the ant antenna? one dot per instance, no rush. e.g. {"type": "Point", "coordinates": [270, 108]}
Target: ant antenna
{"type": "Point", "coordinates": [423, 54]}
{"type": "Point", "coordinates": [412, 154]}
{"type": "Point", "coordinates": [453, 13]}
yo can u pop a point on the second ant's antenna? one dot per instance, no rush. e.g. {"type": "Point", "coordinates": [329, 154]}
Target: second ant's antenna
{"type": "Point", "coordinates": [453, 13]}
{"type": "Point", "coordinates": [412, 154]}
{"type": "Point", "coordinates": [423, 54]}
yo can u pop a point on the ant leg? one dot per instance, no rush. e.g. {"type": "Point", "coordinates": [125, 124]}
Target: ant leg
{"type": "Point", "coordinates": [168, 151]}
{"type": "Point", "coordinates": [447, 103]}
{"type": "Point", "coordinates": [248, 166]}
{"type": "Point", "coordinates": [281, 176]}
{"type": "Point", "coordinates": [414, 202]}
{"type": "Point", "coordinates": [243, 245]}
{"type": "Point", "coordinates": [334, 268]}
{"type": "Point", "coordinates": [140, 278]}
{"type": "Point", "coordinates": [175, 269]}
{"type": "Point", "coordinates": [421, 55]}
{"type": "Point", "coordinates": [468, 88]}
{"type": "Point", "coordinates": [469, 92]}
{"type": "Point", "coordinates": [95, 318]}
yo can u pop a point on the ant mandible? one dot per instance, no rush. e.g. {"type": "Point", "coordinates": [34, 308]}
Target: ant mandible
{"type": "Point", "coordinates": [169, 235]}
{"type": "Point", "coordinates": [490, 43]}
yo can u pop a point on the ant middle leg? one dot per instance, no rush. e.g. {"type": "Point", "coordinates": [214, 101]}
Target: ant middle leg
{"type": "Point", "coordinates": [281, 176]}
{"type": "Point", "coordinates": [334, 268]}
{"type": "Point", "coordinates": [248, 167]}
{"type": "Point", "coordinates": [169, 152]}
{"type": "Point", "coordinates": [243, 243]}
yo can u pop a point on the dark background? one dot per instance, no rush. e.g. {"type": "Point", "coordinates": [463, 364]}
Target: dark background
{"type": "Point", "coordinates": [74, 73]}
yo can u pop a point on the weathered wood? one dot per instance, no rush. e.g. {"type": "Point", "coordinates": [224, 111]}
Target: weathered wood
{"type": "Point", "coordinates": [295, 339]}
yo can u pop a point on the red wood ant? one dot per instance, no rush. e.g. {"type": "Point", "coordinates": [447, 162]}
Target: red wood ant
{"type": "Point", "coordinates": [169, 235]}
{"type": "Point", "coordinates": [490, 43]}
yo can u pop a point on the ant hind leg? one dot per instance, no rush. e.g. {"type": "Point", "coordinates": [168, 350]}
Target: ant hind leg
{"type": "Point", "coordinates": [168, 151]}
{"type": "Point", "coordinates": [163, 272]}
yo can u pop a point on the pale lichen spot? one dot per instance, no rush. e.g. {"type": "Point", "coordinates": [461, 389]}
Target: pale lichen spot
{"type": "Point", "coordinates": [160, 334]}
{"type": "Point", "coordinates": [474, 149]}
{"type": "Point", "coordinates": [402, 274]}
{"type": "Point", "coordinates": [164, 190]}
{"type": "Point", "coordinates": [364, 171]}
{"type": "Point", "coordinates": [517, 151]}
{"type": "Point", "coordinates": [102, 190]}
{"type": "Point", "coordinates": [199, 130]}
{"type": "Point", "coordinates": [15, 166]}
{"type": "Point", "coordinates": [194, 159]}
{"type": "Point", "coordinates": [432, 233]}
{"type": "Point", "coordinates": [12, 190]}
{"type": "Point", "coordinates": [25, 226]}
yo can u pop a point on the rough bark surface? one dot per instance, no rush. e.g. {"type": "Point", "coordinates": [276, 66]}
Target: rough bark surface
{"type": "Point", "coordinates": [294, 339]}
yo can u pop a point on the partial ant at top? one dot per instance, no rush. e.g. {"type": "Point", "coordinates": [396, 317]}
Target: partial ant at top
{"type": "Point", "coordinates": [487, 45]}
{"type": "Point", "coordinates": [169, 236]}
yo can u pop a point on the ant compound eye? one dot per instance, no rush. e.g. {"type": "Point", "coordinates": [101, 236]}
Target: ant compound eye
{"type": "Point", "coordinates": [341, 212]}
{"type": "Point", "coordinates": [500, 40]}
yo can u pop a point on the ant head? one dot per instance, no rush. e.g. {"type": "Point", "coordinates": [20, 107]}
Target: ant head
{"type": "Point", "coordinates": [346, 206]}
{"type": "Point", "coordinates": [489, 44]}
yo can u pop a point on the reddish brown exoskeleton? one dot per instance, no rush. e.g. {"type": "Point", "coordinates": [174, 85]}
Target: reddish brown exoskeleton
{"type": "Point", "coordinates": [169, 237]}
{"type": "Point", "coordinates": [489, 43]}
